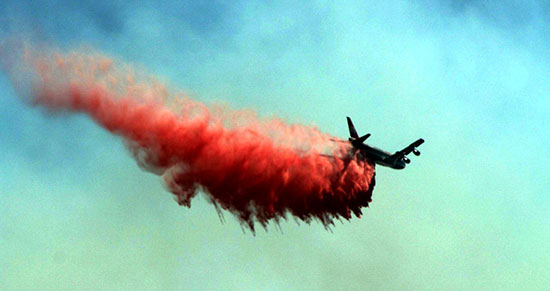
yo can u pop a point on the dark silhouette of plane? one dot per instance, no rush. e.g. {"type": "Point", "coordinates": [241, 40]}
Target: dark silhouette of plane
{"type": "Point", "coordinates": [362, 151]}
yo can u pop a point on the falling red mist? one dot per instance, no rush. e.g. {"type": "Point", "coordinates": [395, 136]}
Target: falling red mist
{"type": "Point", "coordinates": [259, 170]}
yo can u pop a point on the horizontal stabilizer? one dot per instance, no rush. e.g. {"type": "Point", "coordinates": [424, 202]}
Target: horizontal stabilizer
{"type": "Point", "coordinates": [363, 138]}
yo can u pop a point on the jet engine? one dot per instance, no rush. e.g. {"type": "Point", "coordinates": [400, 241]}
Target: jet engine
{"type": "Point", "coordinates": [416, 152]}
{"type": "Point", "coordinates": [406, 160]}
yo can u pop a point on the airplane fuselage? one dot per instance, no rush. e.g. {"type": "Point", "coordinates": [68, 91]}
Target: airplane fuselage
{"type": "Point", "coordinates": [380, 157]}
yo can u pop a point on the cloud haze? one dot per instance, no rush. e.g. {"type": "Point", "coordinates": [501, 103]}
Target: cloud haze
{"type": "Point", "coordinates": [470, 213]}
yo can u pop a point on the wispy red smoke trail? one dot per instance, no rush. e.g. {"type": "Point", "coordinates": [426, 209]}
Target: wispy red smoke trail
{"type": "Point", "coordinates": [259, 170]}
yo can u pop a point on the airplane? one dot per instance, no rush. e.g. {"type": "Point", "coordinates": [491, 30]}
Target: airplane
{"type": "Point", "coordinates": [397, 161]}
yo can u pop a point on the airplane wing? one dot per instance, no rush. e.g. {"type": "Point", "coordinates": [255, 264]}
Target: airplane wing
{"type": "Point", "coordinates": [338, 140]}
{"type": "Point", "coordinates": [411, 147]}
{"type": "Point", "coordinates": [402, 153]}
{"type": "Point", "coordinates": [327, 156]}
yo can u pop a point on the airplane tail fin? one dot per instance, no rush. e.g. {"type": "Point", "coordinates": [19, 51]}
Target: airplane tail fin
{"type": "Point", "coordinates": [352, 131]}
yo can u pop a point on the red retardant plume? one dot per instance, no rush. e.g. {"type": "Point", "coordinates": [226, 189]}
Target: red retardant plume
{"type": "Point", "coordinates": [257, 169]}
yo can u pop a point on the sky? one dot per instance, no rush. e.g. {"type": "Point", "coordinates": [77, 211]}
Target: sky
{"type": "Point", "coordinates": [471, 213]}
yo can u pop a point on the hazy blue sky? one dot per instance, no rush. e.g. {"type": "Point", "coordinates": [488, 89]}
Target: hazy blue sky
{"type": "Point", "coordinates": [470, 77]}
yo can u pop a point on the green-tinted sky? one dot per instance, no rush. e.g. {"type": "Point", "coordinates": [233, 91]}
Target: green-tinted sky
{"type": "Point", "coordinates": [470, 77]}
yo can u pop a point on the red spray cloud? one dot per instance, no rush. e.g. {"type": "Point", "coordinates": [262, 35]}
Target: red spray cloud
{"type": "Point", "coordinates": [259, 170]}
